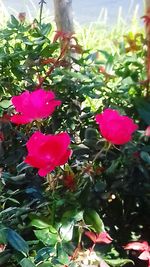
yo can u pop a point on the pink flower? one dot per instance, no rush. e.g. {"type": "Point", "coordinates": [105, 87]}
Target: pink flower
{"type": "Point", "coordinates": [46, 152]}
{"type": "Point", "coordinates": [102, 237]}
{"type": "Point", "coordinates": [33, 106]}
{"type": "Point", "coordinates": [147, 131]}
{"type": "Point", "coordinates": [115, 128]}
{"type": "Point", "coordinates": [140, 246]}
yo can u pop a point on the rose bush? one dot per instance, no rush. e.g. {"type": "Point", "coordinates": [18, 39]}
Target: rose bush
{"type": "Point", "coordinates": [101, 193]}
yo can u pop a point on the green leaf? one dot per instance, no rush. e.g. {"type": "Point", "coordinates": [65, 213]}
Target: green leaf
{"type": "Point", "coordinates": [145, 115]}
{"type": "Point", "coordinates": [91, 133]}
{"type": "Point", "coordinates": [3, 235]}
{"type": "Point", "coordinates": [66, 231]}
{"type": "Point", "coordinates": [17, 242]}
{"type": "Point", "coordinates": [143, 108]}
{"type": "Point", "coordinates": [145, 156]}
{"type": "Point", "coordinates": [92, 56]}
{"type": "Point", "coordinates": [46, 28]}
{"type": "Point", "coordinates": [113, 166]}
{"type": "Point", "coordinates": [42, 225]}
{"type": "Point", "coordinates": [47, 237]}
{"type": "Point", "coordinates": [80, 150]}
{"type": "Point", "coordinates": [100, 186]}
{"type": "Point", "coordinates": [22, 166]}
{"type": "Point", "coordinates": [46, 264]}
{"type": "Point", "coordinates": [26, 263]}
{"type": "Point", "coordinates": [90, 136]}
{"type": "Point", "coordinates": [14, 21]}
{"type": "Point", "coordinates": [39, 41]}
{"type": "Point", "coordinates": [5, 104]}
{"type": "Point", "coordinates": [48, 50]}
{"type": "Point", "coordinates": [93, 220]}
{"type": "Point", "coordinates": [4, 257]}
{"type": "Point", "coordinates": [45, 253]}
{"type": "Point", "coordinates": [118, 262]}
{"type": "Point", "coordinates": [106, 54]}
{"type": "Point", "coordinates": [62, 256]}
{"type": "Point", "coordinates": [72, 215]}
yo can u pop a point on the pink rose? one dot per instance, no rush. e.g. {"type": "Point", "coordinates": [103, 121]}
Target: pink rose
{"type": "Point", "coordinates": [115, 128]}
{"type": "Point", "coordinates": [46, 152]}
{"type": "Point", "coordinates": [34, 105]}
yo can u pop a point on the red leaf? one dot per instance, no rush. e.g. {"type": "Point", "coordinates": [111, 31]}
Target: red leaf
{"type": "Point", "coordinates": [62, 36]}
{"type": "Point", "coordinates": [147, 131]}
{"type": "Point", "coordinates": [103, 237]}
{"type": "Point", "coordinates": [146, 19]}
{"type": "Point", "coordinates": [140, 246]}
{"type": "Point", "coordinates": [69, 181]}
{"type": "Point", "coordinates": [48, 61]}
{"type": "Point", "coordinates": [1, 136]}
{"type": "Point", "coordinates": [144, 256]}
{"type": "Point", "coordinates": [2, 247]}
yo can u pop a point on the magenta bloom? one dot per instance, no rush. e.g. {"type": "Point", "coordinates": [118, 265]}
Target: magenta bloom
{"type": "Point", "coordinates": [34, 105]}
{"type": "Point", "coordinates": [115, 128]}
{"type": "Point", "coordinates": [46, 152]}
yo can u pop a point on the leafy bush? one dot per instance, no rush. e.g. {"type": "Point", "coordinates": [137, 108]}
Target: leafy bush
{"type": "Point", "coordinates": [63, 219]}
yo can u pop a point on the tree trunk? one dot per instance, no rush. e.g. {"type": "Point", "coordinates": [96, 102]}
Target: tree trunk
{"type": "Point", "coordinates": [147, 4]}
{"type": "Point", "coordinates": [63, 15]}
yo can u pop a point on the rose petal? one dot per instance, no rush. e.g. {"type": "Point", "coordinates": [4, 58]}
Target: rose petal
{"type": "Point", "coordinates": [115, 128]}
{"type": "Point", "coordinates": [34, 105]}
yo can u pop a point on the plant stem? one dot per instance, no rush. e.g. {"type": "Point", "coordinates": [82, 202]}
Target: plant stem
{"type": "Point", "coordinates": [52, 67]}
{"type": "Point", "coordinates": [41, 3]}
{"type": "Point", "coordinates": [105, 148]}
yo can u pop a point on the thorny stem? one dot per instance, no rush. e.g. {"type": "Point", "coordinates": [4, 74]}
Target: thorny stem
{"type": "Point", "coordinates": [51, 182]}
{"type": "Point", "coordinates": [80, 237]}
{"type": "Point", "coordinates": [52, 67]}
{"type": "Point", "coordinates": [38, 125]}
{"type": "Point", "coordinates": [41, 3]}
{"type": "Point", "coordinates": [105, 148]}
